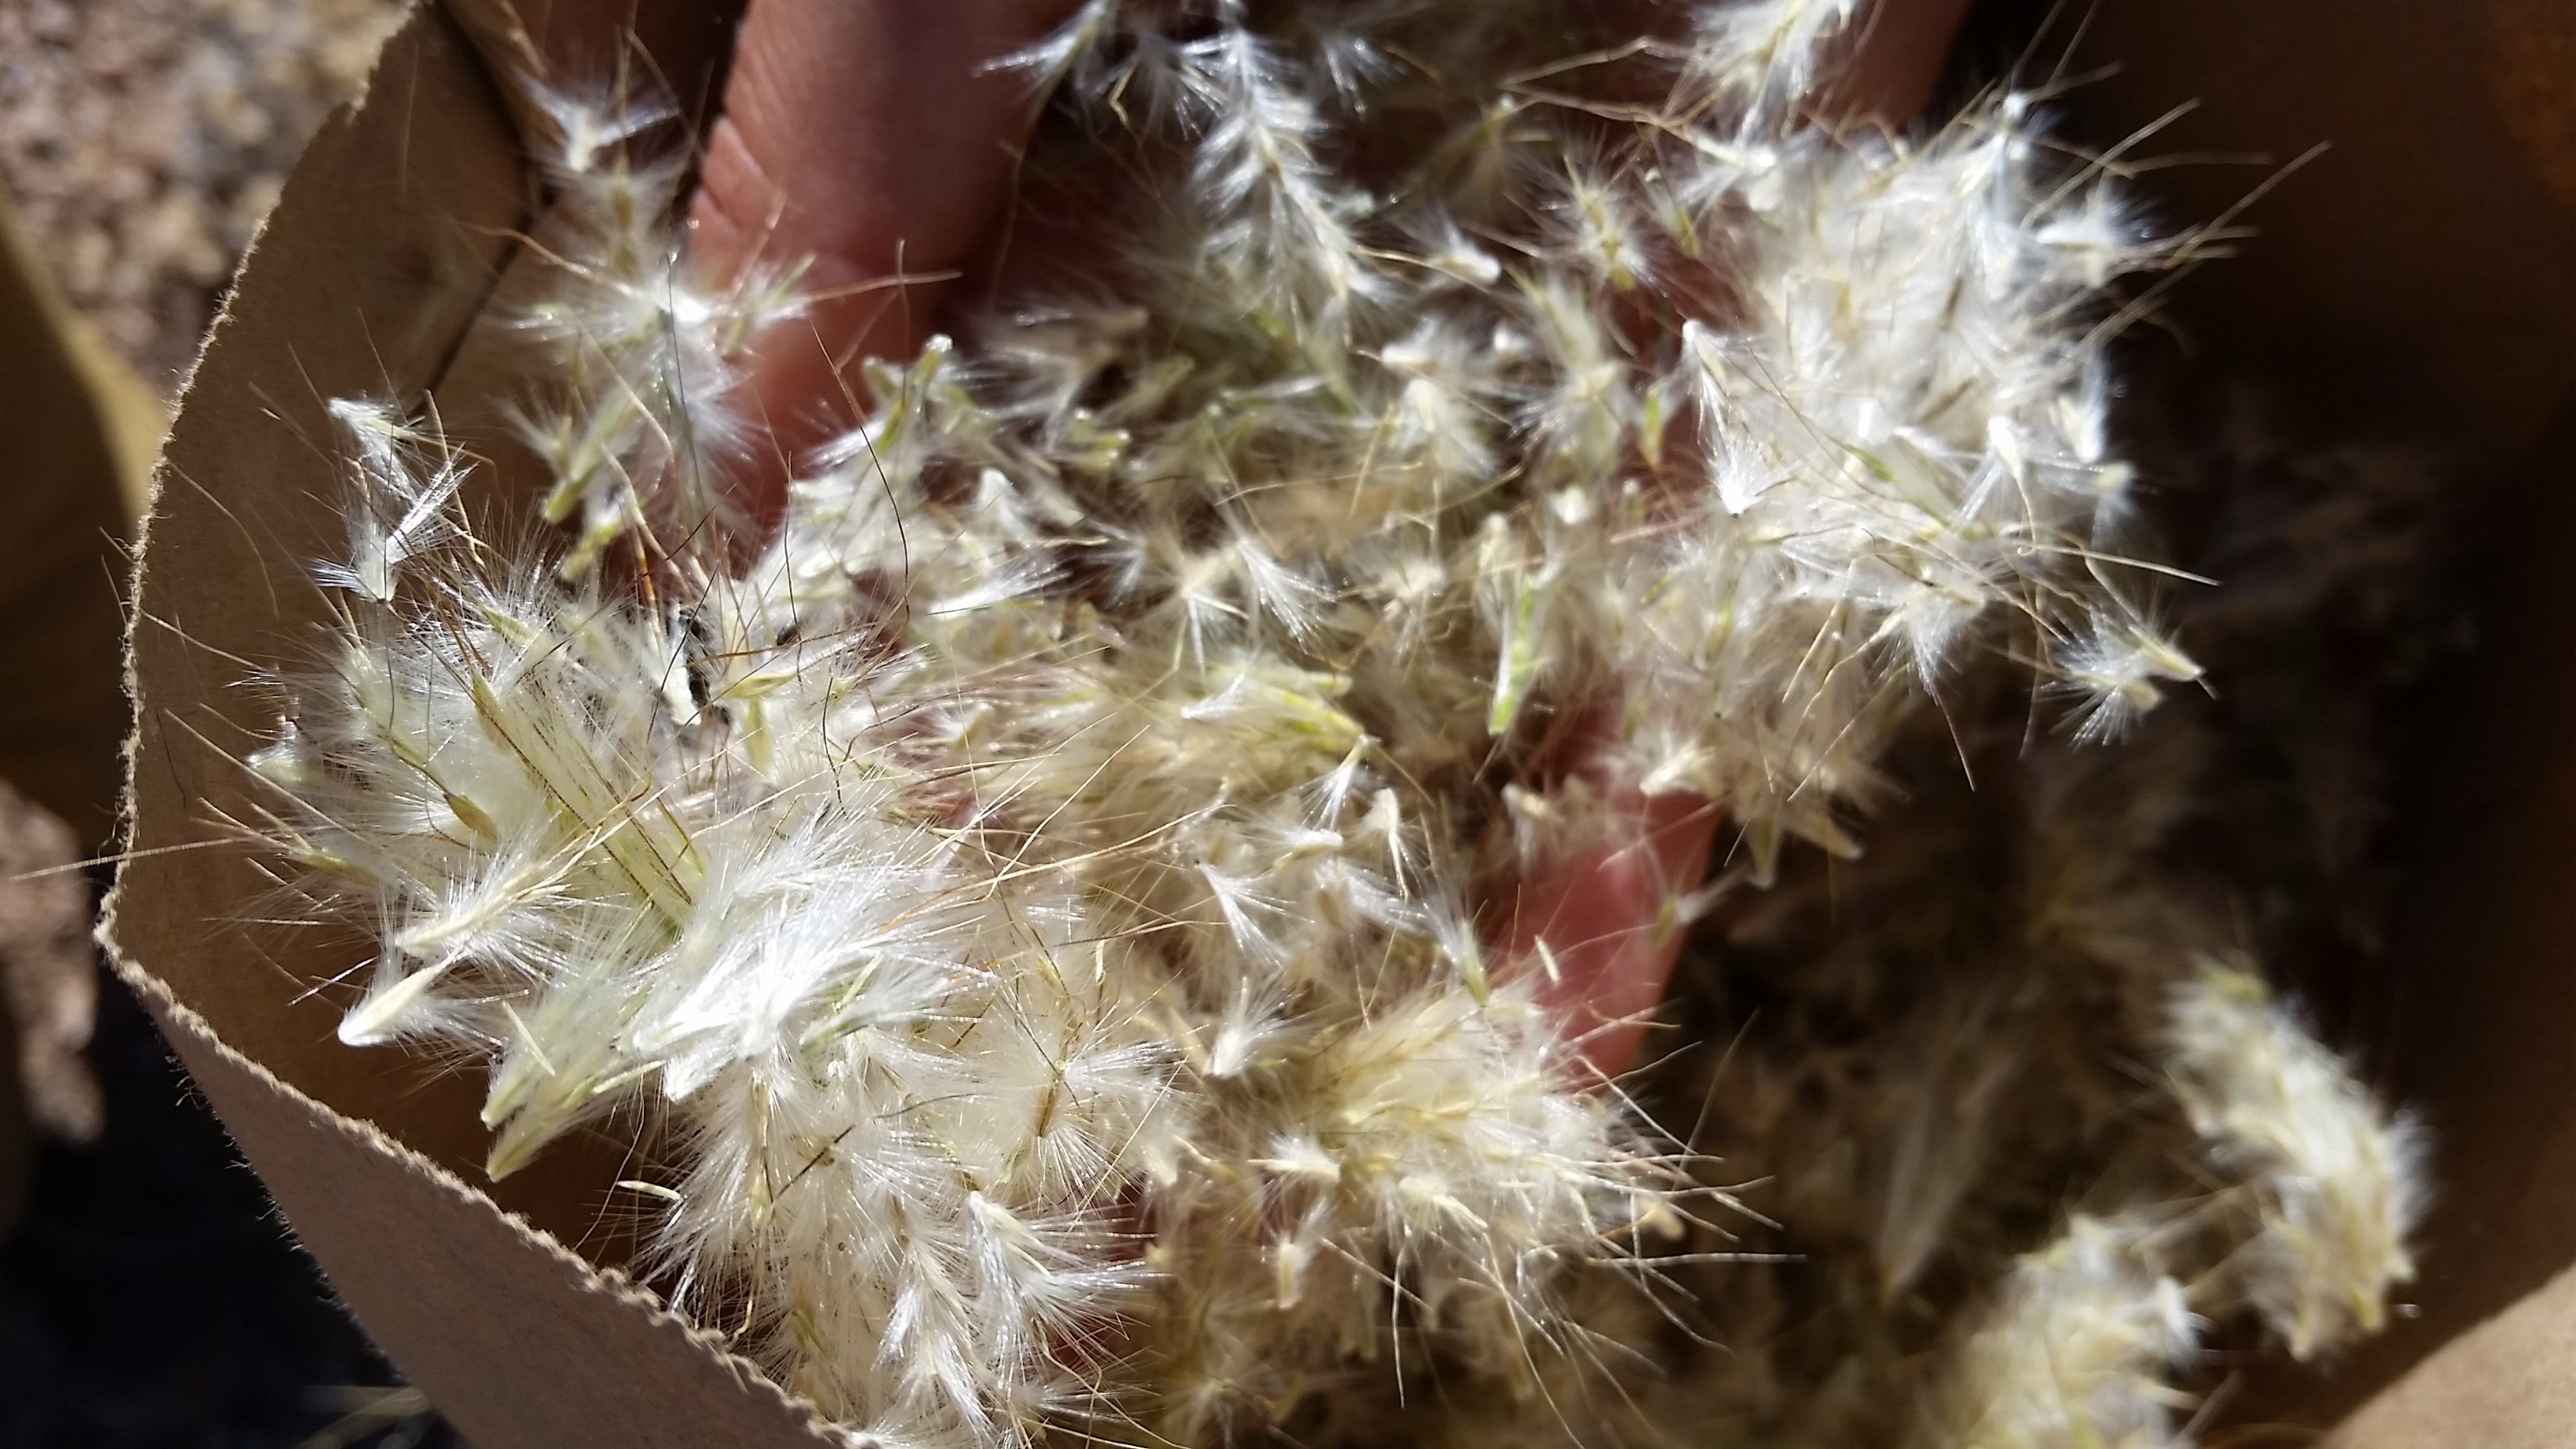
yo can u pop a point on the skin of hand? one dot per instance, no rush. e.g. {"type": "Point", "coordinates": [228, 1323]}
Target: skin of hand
{"type": "Point", "coordinates": [872, 137]}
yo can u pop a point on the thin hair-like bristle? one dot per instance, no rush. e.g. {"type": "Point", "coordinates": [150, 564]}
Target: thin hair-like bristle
{"type": "Point", "coordinates": [1036, 880]}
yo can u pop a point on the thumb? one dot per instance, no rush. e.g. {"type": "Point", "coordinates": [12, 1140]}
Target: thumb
{"type": "Point", "coordinates": [873, 137]}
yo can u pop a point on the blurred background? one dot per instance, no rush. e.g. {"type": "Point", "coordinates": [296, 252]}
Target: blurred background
{"type": "Point", "coordinates": [142, 142]}
{"type": "Point", "coordinates": [149, 1294]}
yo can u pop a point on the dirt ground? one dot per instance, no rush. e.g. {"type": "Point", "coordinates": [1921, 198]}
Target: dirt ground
{"type": "Point", "coordinates": [142, 142]}
{"type": "Point", "coordinates": [150, 1296]}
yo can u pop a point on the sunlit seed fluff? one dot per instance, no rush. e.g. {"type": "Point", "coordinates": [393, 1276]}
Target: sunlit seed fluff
{"type": "Point", "coordinates": [2334, 1183]}
{"type": "Point", "coordinates": [1036, 881]}
{"type": "Point", "coordinates": [2078, 1352]}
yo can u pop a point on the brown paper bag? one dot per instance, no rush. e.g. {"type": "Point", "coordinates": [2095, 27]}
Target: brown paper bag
{"type": "Point", "coordinates": [368, 279]}
{"type": "Point", "coordinates": [504, 1303]}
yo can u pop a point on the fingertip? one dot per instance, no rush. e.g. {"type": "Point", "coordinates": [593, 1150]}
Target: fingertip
{"type": "Point", "coordinates": [1609, 915]}
{"type": "Point", "coordinates": [870, 142]}
{"type": "Point", "coordinates": [866, 135]}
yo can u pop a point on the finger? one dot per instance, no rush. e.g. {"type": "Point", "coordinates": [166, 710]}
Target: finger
{"type": "Point", "coordinates": [873, 138]}
{"type": "Point", "coordinates": [1610, 920]}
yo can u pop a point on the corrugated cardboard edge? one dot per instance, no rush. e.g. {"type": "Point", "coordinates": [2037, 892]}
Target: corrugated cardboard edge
{"type": "Point", "coordinates": [354, 287]}
{"type": "Point", "coordinates": [515, 1338]}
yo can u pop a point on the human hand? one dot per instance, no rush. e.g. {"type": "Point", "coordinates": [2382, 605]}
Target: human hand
{"type": "Point", "coordinates": [871, 137]}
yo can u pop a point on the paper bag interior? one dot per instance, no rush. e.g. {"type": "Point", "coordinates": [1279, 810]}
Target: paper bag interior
{"type": "Point", "coordinates": [2412, 282]}
{"type": "Point", "coordinates": [395, 231]}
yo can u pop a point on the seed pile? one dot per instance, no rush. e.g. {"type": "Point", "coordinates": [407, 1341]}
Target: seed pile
{"type": "Point", "coordinates": [1061, 881]}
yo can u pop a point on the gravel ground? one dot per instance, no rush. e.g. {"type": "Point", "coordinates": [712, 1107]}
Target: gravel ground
{"type": "Point", "coordinates": [150, 1297]}
{"type": "Point", "coordinates": [144, 140]}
